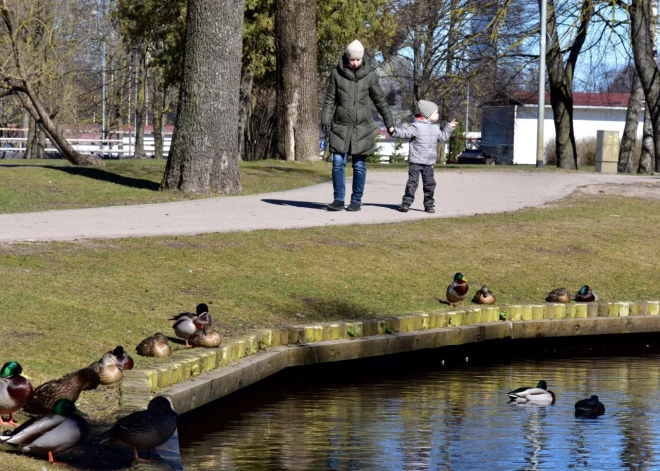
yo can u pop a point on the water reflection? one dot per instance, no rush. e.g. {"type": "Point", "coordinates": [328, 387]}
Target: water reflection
{"type": "Point", "coordinates": [441, 420]}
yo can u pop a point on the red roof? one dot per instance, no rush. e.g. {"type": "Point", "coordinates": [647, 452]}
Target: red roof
{"type": "Point", "coordinates": [579, 99]}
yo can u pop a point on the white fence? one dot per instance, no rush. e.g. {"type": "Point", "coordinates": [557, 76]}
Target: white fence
{"type": "Point", "coordinates": [123, 147]}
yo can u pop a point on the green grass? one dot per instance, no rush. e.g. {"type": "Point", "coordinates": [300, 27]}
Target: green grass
{"type": "Point", "coordinates": [44, 185]}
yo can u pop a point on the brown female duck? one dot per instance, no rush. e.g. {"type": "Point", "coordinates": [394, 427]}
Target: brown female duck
{"type": "Point", "coordinates": [68, 387]}
{"type": "Point", "coordinates": [206, 337]}
{"type": "Point", "coordinates": [560, 295]}
{"type": "Point", "coordinates": [154, 346]}
{"type": "Point", "coordinates": [484, 296]}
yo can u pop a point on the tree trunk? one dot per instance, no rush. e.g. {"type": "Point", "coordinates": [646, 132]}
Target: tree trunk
{"type": "Point", "coordinates": [29, 145]}
{"type": "Point", "coordinates": [643, 45]}
{"type": "Point", "coordinates": [40, 139]}
{"type": "Point", "coordinates": [260, 126]}
{"type": "Point", "coordinates": [158, 109]}
{"type": "Point", "coordinates": [141, 103]}
{"type": "Point", "coordinates": [245, 99]}
{"type": "Point", "coordinates": [203, 156]}
{"type": "Point", "coordinates": [33, 105]}
{"type": "Point", "coordinates": [648, 149]}
{"type": "Point", "coordinates": [297, 106]}
{"type": "Point", "coordinates": [561, 82]}
{"type": "Point", "coordinates": [630, 129]}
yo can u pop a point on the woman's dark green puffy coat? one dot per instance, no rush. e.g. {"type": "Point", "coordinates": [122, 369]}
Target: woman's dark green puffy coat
{"type": "Point", "coordinates": [348, 111]}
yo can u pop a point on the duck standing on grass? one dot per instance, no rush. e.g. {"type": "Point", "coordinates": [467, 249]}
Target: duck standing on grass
{"type": "Point", "coordinates": [145, 429]}
{"type": "Point", "coordinates": [188, 323]}
{"type": "Point", "coordinates": [586, 295]}
{"type": "Point", "coordinates": [457, 290]}
{"type": "Point", "coordinates": [50, 433]}
{"type": "Point", "coordinates": [591, 407]}
{"type": "Point", "coordinates": [484, 296]}
{"type": "Point", "coordinates": [539, 394]}
{"type": "Point", "coordinates": [69, 387]}
{"type": "Point", "coordinates": [154, 346]}
{"type": "Point", "coordinates": [560, 295]}
{"type": "Point", "coordinates": [15, 390]}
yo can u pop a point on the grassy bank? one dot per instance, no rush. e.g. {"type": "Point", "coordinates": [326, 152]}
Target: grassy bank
{"type": "Point", "coordinates": [64, 304]}
{"type": "Point", "coordinates": [43, 185]}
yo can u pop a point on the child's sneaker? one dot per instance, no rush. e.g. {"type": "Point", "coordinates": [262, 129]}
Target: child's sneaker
{"type": "Point", "coordinates": [404, 208]}
{"type": "Point", "coordinates": [429, 210]}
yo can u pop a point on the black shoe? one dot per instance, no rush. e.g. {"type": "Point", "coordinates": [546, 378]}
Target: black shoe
{"type": "Point", "coordinates": [404, 208]}
{"type": "Point", "coordinates": [429, 210]}
{"type": "Point", "coordinates": [353, 206]}
{"type": "Point", "coordinates": [336, 205]}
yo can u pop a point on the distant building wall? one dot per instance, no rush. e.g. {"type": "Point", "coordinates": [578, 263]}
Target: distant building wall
{"type": "Point", "coordinates": [497, 132]}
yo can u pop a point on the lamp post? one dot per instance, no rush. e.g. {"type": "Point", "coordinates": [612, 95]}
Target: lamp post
{"type": "Point", "coordinates": [540, 142]}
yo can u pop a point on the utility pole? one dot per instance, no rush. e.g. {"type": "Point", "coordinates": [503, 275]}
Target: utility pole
{"type": "Point", "coordinates": [540, 142]}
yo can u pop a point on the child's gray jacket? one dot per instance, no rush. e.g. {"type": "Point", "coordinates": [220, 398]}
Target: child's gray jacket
{"type": "Point", "coordinates": [424, 137]}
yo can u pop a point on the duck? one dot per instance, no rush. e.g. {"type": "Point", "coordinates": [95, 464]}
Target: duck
{"type": "Point", "coordinates": [484, 296]}
{"type": "Point", "coordinates": [187, 323]}
{"type": "Point", "coordinates": [590, 407]}
{"type": "Point", "coordinates": [205, 337]}
{"type": "Point", "coordinates": [52, 433]}
{"type": "Point", "coordinates": [108, 369]}
{"type": "Point", "coordinates": [154, 346]}
{"type": "Point", "coordinates": [46, 395]}
{"type": "Point", "coordinates": [457, 290]}
{"type": "Point", "coordinates": [124, 360]}
{"type": "Point", "coordinates": [586, 295]}
{"type": "Point", "coordinates": [15, 390]}
{"type": "Point", "coordinates": [145, 429]}
{"type": "Point", "coordinates": [559, 295]}
{"type": "Point", "coordinates": [538, 394]}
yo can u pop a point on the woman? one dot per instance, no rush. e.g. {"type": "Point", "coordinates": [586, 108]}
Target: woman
{"type": "Point", "coordinates": [346, 120]}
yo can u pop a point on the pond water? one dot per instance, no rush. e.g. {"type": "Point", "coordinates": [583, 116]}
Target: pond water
{"type": "Point", "coordinates": [436, 418]}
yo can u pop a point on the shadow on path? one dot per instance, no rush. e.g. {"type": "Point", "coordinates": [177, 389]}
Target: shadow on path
{"type": "Point", "coordinates": [297, 204]}
{"type": "Point", "coordinates": [105, 176]}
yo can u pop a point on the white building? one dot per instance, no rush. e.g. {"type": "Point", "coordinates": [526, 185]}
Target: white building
{"type": "Point", "coordinates": [509, 126]}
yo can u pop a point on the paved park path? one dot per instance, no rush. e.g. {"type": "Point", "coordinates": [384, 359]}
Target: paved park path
{"type": "Point", "coordinates": [457, 194]}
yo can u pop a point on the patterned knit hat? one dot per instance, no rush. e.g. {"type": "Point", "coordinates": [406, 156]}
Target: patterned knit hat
{"type": "Point", "coordinates": [427, 108]}
{"type": "Point", "coordinates": [355, 50]}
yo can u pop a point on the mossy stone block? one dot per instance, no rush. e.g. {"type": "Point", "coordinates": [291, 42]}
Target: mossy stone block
{"type": "Point", "coordinates": [164, 377]}
{"type": "Point", "coordinates": [637, 309]}
{"type": "Point", "coordinates": [514, 313]}
{"type": "Point", "coordinates": [528, 312]}
{"type": "Point", "coordinates": [557, 311]}
{"type": "Point", "coordinates": [592, 309]}
{"type": "Point", "coordinates": [313, 333]}
{"type": "Point", "coordinates": [490, 314]}
{"type": "Point", "coordinates": [295, 335]}
{"type": "Point", "coordinates": [380, 327]}
{"type": "Point", "coordinates": [441, 320]}
{"type": "Point", "coordinates": [455, 319]}
{"type": "Point", "coordinates": [426, 320]}
{"type": "Point", "coordinates": [612, 309]}
{"type": "Point", "coordinates": [579, 310]}
{"type": "Point", "coordinates": [393, 323]}
{"type": "Point", "coordinates": [539, 312]}
{"type": "Point", "coordinates": [652, 308]}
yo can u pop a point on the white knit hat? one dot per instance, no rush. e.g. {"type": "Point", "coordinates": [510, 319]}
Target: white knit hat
{"type": "Point", "coordinates": [427, 108]}
{"type": "Point", "coordinates": [355, 50]}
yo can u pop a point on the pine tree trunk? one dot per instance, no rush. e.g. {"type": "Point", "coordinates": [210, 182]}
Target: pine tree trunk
{"type": "Point", "coordinates": [203, 156]}
{"type": "Point", "coordinates": [629, 138]}
{"type": "Point", "coordinates": [297, 106]}
{"type": "Point", "coordinates": [648, 149]}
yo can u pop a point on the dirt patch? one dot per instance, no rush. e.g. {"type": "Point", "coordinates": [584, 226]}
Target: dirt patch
{"type": "Point", "coordinates": [649, 191]}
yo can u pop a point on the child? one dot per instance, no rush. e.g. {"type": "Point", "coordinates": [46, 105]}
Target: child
{"type": "Point", "coordinates": [424, 136]}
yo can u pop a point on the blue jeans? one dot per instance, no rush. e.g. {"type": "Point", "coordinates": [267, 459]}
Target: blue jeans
{"type": "Point", "coordinates": [359, 176]}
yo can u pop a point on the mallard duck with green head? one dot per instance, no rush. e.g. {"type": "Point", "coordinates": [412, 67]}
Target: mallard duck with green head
{"type": "Point", "coordinates": [15, 390]}
{"type": "Point", "coordinates": [539, 394]}
{"type": "Point", "coordinates": [559, 295]}
{"type": "Point", "coordinates": [145, 429]}
{"type": "Point", "coordinates": [590, 407]}
{"type": "Point", "coordinates": [51, 433]}
{"type": "Point", "coordinates": [187, 323]}
{"type": "Point", "coordinates": [457, 290]}
{"type": "Point", "coordinates": [206, 337]}
{"type": "Point", "coordinates": [108, 369]}
{"type": "Point", "coordinates": [484, 296]}
{"type": "Point", "coordinates": [586, 295]}
{"type": "Point", "coordinates": [155, 346]}
{"type": "Point", "coordinates": [46, 395]}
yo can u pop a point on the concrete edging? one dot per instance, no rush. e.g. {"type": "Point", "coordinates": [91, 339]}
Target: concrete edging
{"type": "Point", "coordinates": [195, 377]}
